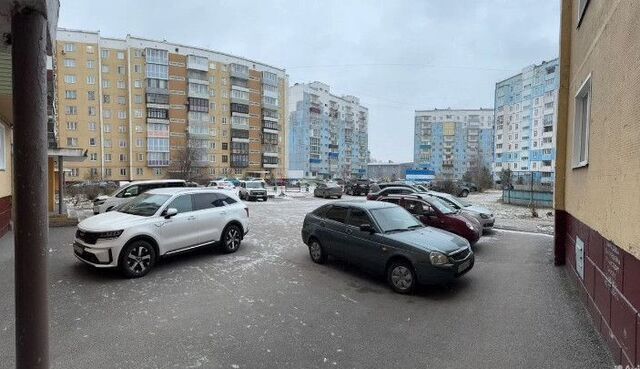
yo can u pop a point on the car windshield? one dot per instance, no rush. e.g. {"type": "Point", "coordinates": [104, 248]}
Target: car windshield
{"type": "Point", "coordinates": [332, 184]}
{"type": "Point", "coordinates": [254, 185]}
{"type": "Point", "coordinates": [395, 219]}
{"type": "Point", "coordinates": [442, 206]}
{"type": "Point", "coordinates": [145, 204]}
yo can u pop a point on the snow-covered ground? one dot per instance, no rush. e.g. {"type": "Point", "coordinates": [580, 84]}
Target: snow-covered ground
{"type": "Point", "coordinates": [511, 216]}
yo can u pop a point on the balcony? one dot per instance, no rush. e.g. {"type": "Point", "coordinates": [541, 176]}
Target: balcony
{"type": "Point", "coordinates": [242, 126]}
{"type": "Point", "coordinates": [239, 71]}
{"type": "Point", "coordinates": [198, 93]}
{"type": "Point", "coordinates": [158, 120]}
{"type": "Point", "coordinates": [197, 63]}
{"type": "Point", "coordinates": [269, 125]}
{"type": "Point", "coordinates": [270, 79]}
{"type": "Point", "coordinates": [270, 150]}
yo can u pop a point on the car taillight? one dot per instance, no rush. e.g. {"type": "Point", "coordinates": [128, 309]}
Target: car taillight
{"type": "Point", "coordinates": [247, 210]}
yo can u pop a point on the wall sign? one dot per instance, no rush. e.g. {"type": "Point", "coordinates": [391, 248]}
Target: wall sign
{"type": "Point", "coordinates": [580, 257]}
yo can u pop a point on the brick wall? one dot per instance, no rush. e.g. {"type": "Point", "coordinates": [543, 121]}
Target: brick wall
{"type": "Point", "coordinates": [609, 288]}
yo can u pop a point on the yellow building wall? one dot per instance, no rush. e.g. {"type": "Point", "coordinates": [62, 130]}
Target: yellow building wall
{"type": "Point", "coordinates": [604, 195]}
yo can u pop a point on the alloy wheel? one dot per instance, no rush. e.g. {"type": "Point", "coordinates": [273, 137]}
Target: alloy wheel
{"type": "Point", "coordinates": [315, 250]}
{"type": "Point", "coordinates": [401, 277]}
{"type": "Point", "coordinates": [232, 239]}
{"type": "Point", "coordinates": [139, 259]}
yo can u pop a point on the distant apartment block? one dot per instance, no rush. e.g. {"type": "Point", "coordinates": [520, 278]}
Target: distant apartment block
{"type": "Point", "coordinates": [388, 171]}
{"type": "Point", "coordinates": [137, 105]}
{"type": "Point", "coordinates": [452, 142]}
{"type": "Point", "coordinates": [525, 110]}
{"type": "Point", "coordinates": [328, 134]}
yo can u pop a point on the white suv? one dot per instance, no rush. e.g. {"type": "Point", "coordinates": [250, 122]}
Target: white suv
{"type": "Point", "coordinates": [131, 190]}
{"type": "Point", "coordinates": [161, 222]}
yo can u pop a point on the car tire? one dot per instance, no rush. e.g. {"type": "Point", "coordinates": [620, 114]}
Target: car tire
{"type": "Point", "coordinates": [401, 277]}
{"type": "Point", "coordinates": [136, 259]}
{"type": "Point", "coordinates": [231, 238]}
{"type": "Point", "coordinates": [316, 252]}
{"type": "Point", "coordinates": [264, 198]}
{"type": "Point", "coordinates": [339, 196]}
{"type": "Point", "coordinates": [464, 193]}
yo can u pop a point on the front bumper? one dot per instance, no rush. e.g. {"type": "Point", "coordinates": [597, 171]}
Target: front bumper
{"type": "Point", "coordinates": [102, 255]}
{"type": "Point", "coordinates": [429, 274]}
{"type": "Point", "coordinates": [487, 223]}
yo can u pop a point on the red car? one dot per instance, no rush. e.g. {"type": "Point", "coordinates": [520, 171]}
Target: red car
{"type": "Point", "coordinates": [433, 212]}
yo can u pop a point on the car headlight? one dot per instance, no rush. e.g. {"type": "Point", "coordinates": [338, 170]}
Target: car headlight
{"type": "Point", "coordinates": [110, 234]}
{"type": "Point", "coordinates": [438, 258]}
{"type": "Point", "coordinates": [98, 202]}
{"type": "Point", "coordinates": [484, 216]}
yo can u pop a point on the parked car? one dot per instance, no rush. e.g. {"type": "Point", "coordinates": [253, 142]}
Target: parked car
{"type": "Point", "coordinates": [222, 185]}
{"type": "Point", "coordinates": [470, 185]}
{"type": "Point", "coordinates": [384, 185]}
{"type": "Point", "coordinates": [483, 215]}
{"type": "Point", "coordinates": [160, 222]}
{"type": "Point", "coordinates": [326, 190]}
{"type": "Point", "coordinates": [385, 238]}
{"type": "Point", "coordinates": [357, 187]}
{"type": "Point", "coordinates": [252, 190]}
{"type": "Point", "coordinates": [422, 188]}
{"type": "Point", "coordinates": [125, 193]}
{"type": "Point", "coordinates": [453, 188]}
{"type": "Point", "coordinates": [433, 212]}
{"type": "Point", "coordinates": [391, 191]}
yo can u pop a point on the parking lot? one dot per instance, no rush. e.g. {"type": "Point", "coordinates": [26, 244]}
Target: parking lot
{"type": "Point", "coordinates": [269, 306]}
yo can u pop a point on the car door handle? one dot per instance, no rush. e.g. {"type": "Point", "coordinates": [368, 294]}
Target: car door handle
{"type": "Point", "coordinates": [191, 218]}
{"type": "Point", "coordinates": [349, 231]}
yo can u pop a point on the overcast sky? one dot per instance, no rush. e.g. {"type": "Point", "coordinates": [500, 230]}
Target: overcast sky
{"type": "Point", "coordinates": [397, 56]}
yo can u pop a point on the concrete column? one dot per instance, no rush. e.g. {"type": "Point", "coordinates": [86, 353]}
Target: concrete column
{"type": "Point", "coordinates": [28, 35]}
{"type": "Point", "coordinates": [60, 184]}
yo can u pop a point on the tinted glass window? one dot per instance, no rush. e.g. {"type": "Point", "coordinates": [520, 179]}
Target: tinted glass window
{"type": "Point", "coordinates": [358, 217]}
{"type": "Point", "coordinates": [392, 200]}
{"type": "Point", "coordinates": [321, 211]}
{"type": "Point", "coordinates": [415, 207]}
{"type": "Point", "coordinates": [182, 203]}
{"type": "Point", "coordinates": [211, 200]}
{"type": "Point", "coordinates": [337, 213]}
{"type": "Point", "coordinates": [395, 219]}
{"type": "Point", "coordinates": [145, 205]}
{"type": "Point", "coordinates": [131, 191]}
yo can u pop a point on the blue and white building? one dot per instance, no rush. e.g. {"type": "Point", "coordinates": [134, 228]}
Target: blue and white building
{"type": "Point", "coordinates": [525, 111]}
{"type": "Point", "coordinates": [451, 142]}
{"type": "Point", "coordinates": [328, 134]}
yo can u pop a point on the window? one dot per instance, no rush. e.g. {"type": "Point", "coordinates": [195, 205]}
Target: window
{"type": "Point", "coordinates": [104, 54]}
{"type": "Point", "coordinates": [91, 110]}
{"type": "Point", "coordinates": [120, 55]}
{"type": "Point", "coordinates": [105, 68]}
{"type": "Point", "coordinates": [357, 217]}
{"type": "Point", "coordinates": [92, 141]}
{"type": "Point", "coordinates": [338, 214]}
{"type": "Point", "coordinates": [123, 157]}
{"type": "Point", "coordinates": [139, 171]}
{"type": "Point", "coordinates": [91, 95]}
{"type": "Point", "coordinates": [210, 200]}
{"type": "Point", "coordinates": [157, 113]}
{"type": "Point", "coordinates": [107, 128]}
{"type": "Point", "coordinates": [122, 115]}
{"type": "Point", "coordinates": [107, 172]}
{"type": "Point", "coordinates": [70, 78]}
{"type": "Point", "coordinates": [123, 171]}
{"type": "Point", "coordinates": [581, 125]}
{"type": "Point", "coordinates": [69, 47]}
{"type": "Point", "coordinates": [158, 71]}
{"type": "Point", "coordinates": [196, 104]}
{"type": "Point", "coordinates": [71, 110]}
{"type": "Point", "coordinates": [91, 64]}
{"type": "Point", "coordinates": [157, 83]}
{"type": "Point", "coordinates": [122, 84]}
{"type": "Point", "coordinates": [138, 113]}
{"type": "Point", "coordinates": [122, 129]}
{"type": "Point", "coordinates": [140, 156]}
{"type": "Point", "coordinates": [93, 156]}
{"type": "Point", "coordinates": [106, 99]}
{"type": "Point", "coordinates": [157, 98]}
{"type": "Point", "coordinates": [107, 142]}
{"type": "Point", "coordinates": [137, 99]}
{"type": "Point", "coordinates": [107, 157]}
{"type": "Point", "coordinates": [89, 49]}
{"type": "Point", "coordinates": [123, 144]}
{"type": "Point", "coordinates": [92, 126]}
{"type": "Point", "coordinates": [70, 63]}
{"type": "Point", "coordinates": [122, 100]}
{"type": "Point", "coordinates": [139, 143]}
{"type": "Point", "coordinates": [91, 80]}
{"type": "Point", "coordinates": [72, 142]}
{"type": "Point", "coordinates": [106, 114]}
{"type": "Point", "coordinates": [72, 126]}
{"type": "Point", "coordinates": [137, 83]}
{"type": "Point", "coordinates": [105, 83]}
{"type": "Point", "coordinates": [137, 68]}
{"type": "Point", "coordinates": [182, 203]}
{"type": "Point", "coordinates": [225, 158]}
{"type": "Point", "coordinates": [157, 56]}
{"type": "Point", "coordinates": [70, 94]}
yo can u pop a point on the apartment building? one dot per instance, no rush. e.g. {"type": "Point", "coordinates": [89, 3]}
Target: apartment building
{"type": "Point", "coordinates": [147, 109]}
{"type": "Point", "coordinates": [525, 111]}
{"type": "Point", "coordinates": [328, 134]}
{"type": "Point", "coordinates": [598, 167]}
{"type": "Point", "coordinates": [451, 142]}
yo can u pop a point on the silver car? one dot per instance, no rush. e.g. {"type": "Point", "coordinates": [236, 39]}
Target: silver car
{"type": "Point", "coordinates": [483, 215]}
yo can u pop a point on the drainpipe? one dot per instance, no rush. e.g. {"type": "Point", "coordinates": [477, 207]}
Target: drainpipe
{"type": "Point", "coordinates": [60, 183]}
{"type": "Point", "coordinates": [28, 31]}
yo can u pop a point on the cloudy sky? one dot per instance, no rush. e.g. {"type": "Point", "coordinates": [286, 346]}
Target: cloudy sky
{"type": "Point", "coordinates": [397, 56]}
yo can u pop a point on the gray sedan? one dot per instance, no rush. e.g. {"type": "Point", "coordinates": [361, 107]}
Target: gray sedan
{"type": "Point", "coordinates": [385, 238]}
{"type": "Point", "coordinates": [329, 189]}
{"type": "Point", "coordinates": [483, 215]}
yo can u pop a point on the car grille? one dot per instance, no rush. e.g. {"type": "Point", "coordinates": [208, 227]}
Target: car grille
{"type": "Point", "coordinates": [87, 237]}
{"type": "Point", "coordinates": [460, 255]}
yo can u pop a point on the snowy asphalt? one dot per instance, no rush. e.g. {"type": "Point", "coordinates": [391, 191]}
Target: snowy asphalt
{"type": "Point", "coordinates": [269, 306]}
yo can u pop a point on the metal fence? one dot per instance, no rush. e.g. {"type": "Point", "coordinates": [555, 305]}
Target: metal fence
{"type": "Point", "coordinates": [542, 199]}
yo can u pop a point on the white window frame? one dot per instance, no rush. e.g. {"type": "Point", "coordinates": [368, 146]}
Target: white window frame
{"type": "Point", "coordinates": [580, 130]}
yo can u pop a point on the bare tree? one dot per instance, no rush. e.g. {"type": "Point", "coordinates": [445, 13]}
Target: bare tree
{"type": "Point", "coordinates": [184, 165]}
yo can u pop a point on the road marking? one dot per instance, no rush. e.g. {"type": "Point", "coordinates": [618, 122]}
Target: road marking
{"type": "Point", "coordinates": [349, 298]}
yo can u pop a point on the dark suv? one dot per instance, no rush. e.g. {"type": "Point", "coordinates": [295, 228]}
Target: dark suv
{"type": "Point", "coordinates": [357, 187]}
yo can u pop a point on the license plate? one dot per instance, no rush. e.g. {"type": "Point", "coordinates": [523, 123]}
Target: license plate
{"type": "Point", "coordinates": [464, 266]}
{"type": "Point", "coordinates": [78, 249]}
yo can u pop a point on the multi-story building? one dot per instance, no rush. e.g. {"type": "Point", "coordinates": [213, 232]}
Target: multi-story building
{"type": "Point", "coordinates": [388, 171]}
{"type": "Point", "coordinates": [452, 142]}
{"type": "Point", "coordinates": [328, 134]}
{"type": "Point", "coordinates": [147, 109]}
{"type": "Point", "coordinates": [598, 167]}
{"type": "Point", "coordinates": [525, 111]}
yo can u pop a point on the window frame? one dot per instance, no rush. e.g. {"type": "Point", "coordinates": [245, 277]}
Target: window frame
{"type": "Point", "coordinates": [346, 215]}
{"type": "Point", "coordinates": [582, 135]}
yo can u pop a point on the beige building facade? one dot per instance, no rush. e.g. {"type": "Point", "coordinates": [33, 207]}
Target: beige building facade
{"type": "Point", "coordinates": [598, 166]}
{"type": "Point", "coordinates": [146, 109]}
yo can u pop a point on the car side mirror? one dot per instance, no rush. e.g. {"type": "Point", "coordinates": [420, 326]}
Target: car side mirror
{"type": "Point", "coordinates": [367, 228]}
{"type": "Point", "coordinates": [168, 213]}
